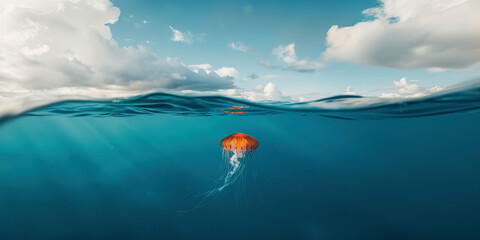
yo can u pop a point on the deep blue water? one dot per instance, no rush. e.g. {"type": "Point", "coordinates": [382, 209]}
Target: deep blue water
{"type": "Point", "coordinates": [133, 169]}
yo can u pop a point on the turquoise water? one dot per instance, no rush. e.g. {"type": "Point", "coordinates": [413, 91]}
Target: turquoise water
{"type": "Point", "coordinates": [136, 168]}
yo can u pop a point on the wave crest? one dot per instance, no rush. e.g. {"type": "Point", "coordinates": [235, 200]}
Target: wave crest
{"type": "Point", "coordinates": [343, 107]}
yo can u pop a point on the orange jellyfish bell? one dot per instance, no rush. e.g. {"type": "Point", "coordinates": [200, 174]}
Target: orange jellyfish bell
{"type": "Point", "coordinates": [239, 143]}
{"type": "Point", "coordinates": [236, 147]}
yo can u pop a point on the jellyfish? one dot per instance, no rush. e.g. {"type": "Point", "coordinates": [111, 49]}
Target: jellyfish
{"type": "Point", "coordinates": [237, 148]}
{"type": "Point", "coordinates": [241, 147]}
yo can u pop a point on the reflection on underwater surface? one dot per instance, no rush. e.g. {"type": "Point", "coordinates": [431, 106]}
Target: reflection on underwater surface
{"type": "Point", "coordinates": [78, 170]}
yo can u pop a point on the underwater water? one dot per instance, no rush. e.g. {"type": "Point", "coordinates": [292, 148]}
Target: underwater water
{"type": "Point", "coordinates": [137, 168]}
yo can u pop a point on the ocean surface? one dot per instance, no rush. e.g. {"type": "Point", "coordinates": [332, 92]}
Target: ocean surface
{"type": "Point", "coordinates": [345, 167]}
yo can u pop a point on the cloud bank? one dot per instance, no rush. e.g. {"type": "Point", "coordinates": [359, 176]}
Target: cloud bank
{"type": "Point", "coordinates": [409, 90]}
{"type": "Point", "coordinates": [66, 45]}
{"type": "Point", "coordinates": [432, 34]}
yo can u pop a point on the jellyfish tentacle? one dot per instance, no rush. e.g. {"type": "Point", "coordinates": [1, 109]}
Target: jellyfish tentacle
{"type": "Point", "coordinates": [241, 146]}
{"type": "Point", "coordinates": [236, 165]}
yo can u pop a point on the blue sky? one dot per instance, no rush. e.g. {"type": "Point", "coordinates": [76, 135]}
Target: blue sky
{"type": "Point", "coordinates": [263, 26]}
{"type": "Point", "coordinates": [269, 50]}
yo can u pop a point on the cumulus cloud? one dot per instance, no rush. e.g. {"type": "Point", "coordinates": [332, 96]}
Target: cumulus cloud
{"type": "Point", "coordinates": [227, 72]}
{"type": "Point", "coordinates": [407, 90]}
{"type": "Point", "coordinates": [289, 61]}
{"type": "Point", "coordinates": [269, 92]}
{"type": "Point", "coordinates": [67, 44]}
{"type": "Point", "coordinates": [431, 34]}
{"type": "Point", "coordinates": [239, 46]}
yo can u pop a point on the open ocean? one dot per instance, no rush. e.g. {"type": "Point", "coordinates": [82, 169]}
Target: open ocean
{"type": "Point", "coordinates": [336, 168]}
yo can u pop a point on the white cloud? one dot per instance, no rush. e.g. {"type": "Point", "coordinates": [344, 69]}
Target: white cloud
{"type": "Point", "coordinates": [227, 72]}
{"type": "Point", "coordinates": [349, 91]}
{"type": "Point", "coordinates": [289, 60]}
{"type": "Point", "coordinates": [67, 44]}
{"type": "Point", "coordinates": [224, 72]}
{"type": "Point", "coordinates": [205, 67]}
{"type": "Point", "coordinates": [36, 51]}
{"type": "Point", "coordinates": [239, 46]}
{"type": "Point", "coordinates": [269, 92]}
{"type": "Point", "coordinates": [407, 90]}
{"type": "Point", "coordinates": [286, 53]}
{"type": "Point", "coordinates": [431, 34]}
{"type": "Point", "coordinates": [177, 36]}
